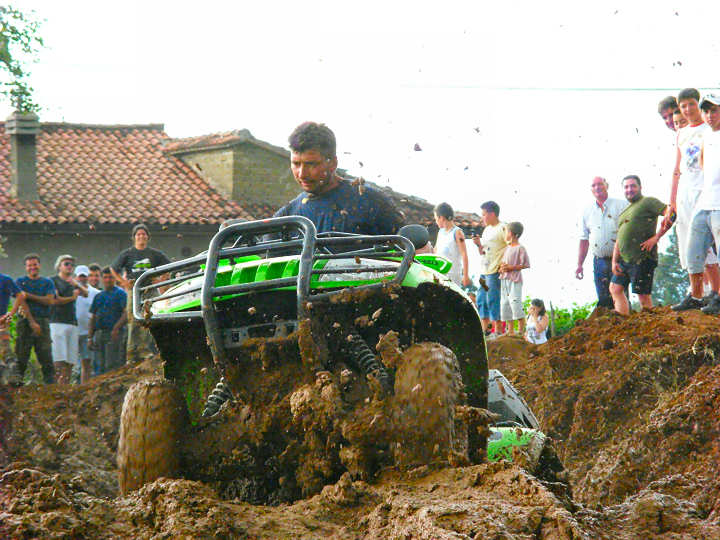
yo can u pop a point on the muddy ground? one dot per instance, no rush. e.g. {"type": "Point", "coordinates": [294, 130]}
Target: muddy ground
{"type": "Point", "coordinates": [632, 404]}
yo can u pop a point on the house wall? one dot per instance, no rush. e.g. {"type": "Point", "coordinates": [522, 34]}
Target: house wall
{"type": "Point", "coordinates": [261, 176]}
{"type": "Point", "coordinates": [87, 248]}
{"type": "Point", "coordinates": [215, 166]}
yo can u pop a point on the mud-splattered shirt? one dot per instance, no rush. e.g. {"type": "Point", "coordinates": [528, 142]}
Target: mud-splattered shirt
{"type": "Point", "coordinates": [347, 208]}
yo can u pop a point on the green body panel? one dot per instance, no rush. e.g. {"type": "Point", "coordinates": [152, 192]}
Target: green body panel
{"type": "Point", "coordinates": [502, 440]}
{"type": "Point", "coordinates": [424, 269]}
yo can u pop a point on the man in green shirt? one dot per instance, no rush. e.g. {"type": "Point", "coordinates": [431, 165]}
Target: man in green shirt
{"type": "Point", "coordinates": [635, 254]}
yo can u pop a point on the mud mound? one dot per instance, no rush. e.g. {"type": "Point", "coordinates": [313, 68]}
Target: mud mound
{"type": "Point", "coordinates": [69, 430]}
{"type": "Point", "coordinates": [484, 501]}
{"type": "Point", "coordinates": [632, 405]}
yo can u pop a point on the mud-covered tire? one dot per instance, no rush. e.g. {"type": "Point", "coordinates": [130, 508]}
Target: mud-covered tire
{"type": "Point", "coordinates": [152, 423]}
{"type": "Point", "coordinates": [428, 387]}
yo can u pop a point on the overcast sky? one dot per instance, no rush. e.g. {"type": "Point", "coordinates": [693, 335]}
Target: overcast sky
{"type": "Point", "coordinates": [520, 102]}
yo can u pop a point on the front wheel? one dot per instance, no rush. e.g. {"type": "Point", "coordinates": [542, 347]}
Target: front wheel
{"type": "Point", "coordinates": [428, 387]}
{"type": "Point", "coordinates": [152, 423]}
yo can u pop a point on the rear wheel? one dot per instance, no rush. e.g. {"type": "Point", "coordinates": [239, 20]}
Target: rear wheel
{"type": "Point", "coordinates": [153, 420]}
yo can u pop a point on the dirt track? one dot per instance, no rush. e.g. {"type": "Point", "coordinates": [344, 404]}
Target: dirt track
{"type": "Point", "coordinates": [632, 404]}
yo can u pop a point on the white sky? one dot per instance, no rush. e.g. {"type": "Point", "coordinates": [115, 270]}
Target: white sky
{"type": "Point", "coordinates": [386, 75]}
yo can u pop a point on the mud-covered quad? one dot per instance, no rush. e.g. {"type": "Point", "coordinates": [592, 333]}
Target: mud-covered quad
{"type": "Point", "coordinates": [291, 357]}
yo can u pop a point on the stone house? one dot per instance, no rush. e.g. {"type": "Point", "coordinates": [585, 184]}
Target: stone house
{"type": "Point", "coordinates": [79, 189]}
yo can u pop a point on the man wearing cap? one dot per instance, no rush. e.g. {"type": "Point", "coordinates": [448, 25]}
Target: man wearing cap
{"type": "Point", "coordinates": [705, 224]}
{"type": "Point", "coordinates": [63, 321]}
{"type": "Point", "coordinates": [598, 232]}
{"type": "Point", "coordinates": [82, 312]}
{"type": "Point", "coordinates": [33, 328]}
{"type": "Point", "coordinates": [128, 266]}
{"type": "Point", "coordinates": [333, 203]}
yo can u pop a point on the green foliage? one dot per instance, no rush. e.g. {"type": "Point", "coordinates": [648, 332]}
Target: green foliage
{"type": "Point", "coordinates": [19, 45]}
{"type": "Point", "coordinates": [564, 318]}
{"type": "Point", "coordinates": [670, 281]}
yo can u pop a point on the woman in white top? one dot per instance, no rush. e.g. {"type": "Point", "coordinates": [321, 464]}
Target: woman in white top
{"type": "Point", "coordinates": [537, 322]}
{"type": "Point", "coordinates": [451, 244]}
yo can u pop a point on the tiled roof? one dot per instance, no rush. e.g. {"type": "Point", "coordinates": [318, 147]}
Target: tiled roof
{"type": "Point", "coordinates": [111, 174]}
{"type": "Point", "coordinates": [218, 140]}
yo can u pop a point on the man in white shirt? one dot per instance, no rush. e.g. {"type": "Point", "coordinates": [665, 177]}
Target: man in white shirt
{"type": "Point", "coordinates": [82, 312]}
{"type": "Point", "coordinates": [705, 225]}
{"type": "Point", "coordinates": [598, 232]}
{"type": "Point", "coordinates": [687, 181]}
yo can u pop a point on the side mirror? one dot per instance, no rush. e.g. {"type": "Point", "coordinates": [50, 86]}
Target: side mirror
{"type": "Point", "coordinates": [416, 233]}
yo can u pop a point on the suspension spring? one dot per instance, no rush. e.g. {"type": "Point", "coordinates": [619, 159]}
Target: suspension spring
{"type": "Point", "coordinates": [220, 394]}
{"type": "Point", "coordinates": [368, 363]}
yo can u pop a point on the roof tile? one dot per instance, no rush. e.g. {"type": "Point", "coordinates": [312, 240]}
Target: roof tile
{"type": "Point", "coordinates": [111, 175]}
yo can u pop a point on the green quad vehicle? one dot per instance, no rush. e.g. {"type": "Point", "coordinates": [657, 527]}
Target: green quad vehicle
{"type": "Point", "coordinates": [292, 357]}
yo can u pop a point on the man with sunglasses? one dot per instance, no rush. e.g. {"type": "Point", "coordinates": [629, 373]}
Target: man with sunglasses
{"type": "Point", "coordinates": [63, 320]}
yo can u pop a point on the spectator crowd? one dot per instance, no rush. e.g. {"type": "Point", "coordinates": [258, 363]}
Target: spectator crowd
{"type": "Point", "coordinates": [78, 321]}
{"type": "Point", "coordinates": [622, 234]}
{"type": "Point", "coordinates": [502, 259]}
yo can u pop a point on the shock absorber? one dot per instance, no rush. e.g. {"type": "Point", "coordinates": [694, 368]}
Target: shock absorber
{"type": "Point", "coordinates": [220, 394]}
{"type": "Point", "coordinates": [368, 363]}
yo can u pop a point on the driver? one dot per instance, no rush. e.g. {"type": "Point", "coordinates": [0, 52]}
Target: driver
{"type": "Point", "coordinates": [333, 203]}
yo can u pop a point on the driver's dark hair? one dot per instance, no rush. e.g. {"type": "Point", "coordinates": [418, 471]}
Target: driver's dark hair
{"type": "Point", "coordinates": [491, 206]}
{"type": "Point", "coordinates": [106, 270]}
{"type": "Point", "coordinates": [633, 177]}
{"type": "Point", "coordinates": [444, 210]}
{"type": "Point", "coordinates": [688, 93]}
{"type": "Point", "coordinates": [313, 136]}
{"type": "Point", "coordinates": [667, 103]}
{"type": "Point", "coordinates": [540, 305]}
{"type": "Point", "coordinates": [31, 256]}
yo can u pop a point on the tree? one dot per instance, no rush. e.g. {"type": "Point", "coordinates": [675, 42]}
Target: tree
{"type": "Point", "coordinates": [19, 44]}
{"type": "Point", "coordinates": [670, 282]}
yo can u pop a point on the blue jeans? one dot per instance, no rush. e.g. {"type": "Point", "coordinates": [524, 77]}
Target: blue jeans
{"type": "Point", "coordinates": [602, 272]}
{"type": "Point", "coordinates": [493, 295]}
{"type": "Point", "coordinates": [482, 300]}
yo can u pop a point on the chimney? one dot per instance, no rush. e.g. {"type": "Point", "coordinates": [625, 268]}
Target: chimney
{"type": "Point", "coordinates": [23, 129]}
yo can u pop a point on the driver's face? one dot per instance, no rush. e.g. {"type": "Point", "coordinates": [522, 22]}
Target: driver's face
{"type": "Point", "coordinates": [312, 170]}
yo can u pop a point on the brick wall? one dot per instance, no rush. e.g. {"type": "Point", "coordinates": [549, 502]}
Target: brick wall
{"type": "Point", "coordinates": [216, 167]}
{"type": "Point", "coordinates": [261, 176]}
{"type": "Point", "coordinates": [246, 173]}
